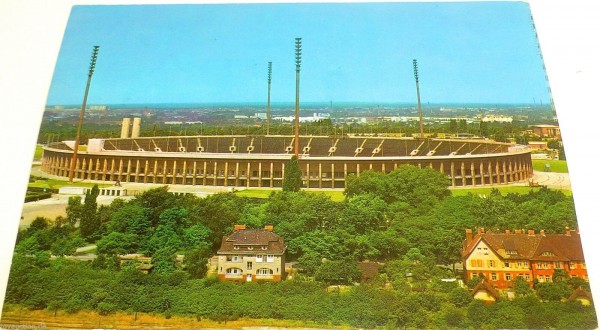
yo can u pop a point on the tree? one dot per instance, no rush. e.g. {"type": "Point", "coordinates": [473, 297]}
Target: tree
{"type": "Point", "coordinates": [195, 260]}
{"type": "Point", "coordinates": [74, 211]}
{"type": "Point", "coordinates": [90, 222]}
{"type": "Point", "coordinates": [292, 180]}
{"type": "Point", "coordinates": [342, 271]}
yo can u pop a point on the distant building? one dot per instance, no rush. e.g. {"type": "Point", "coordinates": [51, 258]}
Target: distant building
{"type": "Point", "coordinates": [497, 119]}
{"type": "Point", "coordinates": [251, 255]}
{"type": "Point", "coordinates": [550, 131]}
{"type": "Point", "coordinates": [503, 257]}
{"type": "Point", "coordinates": [537, 145]}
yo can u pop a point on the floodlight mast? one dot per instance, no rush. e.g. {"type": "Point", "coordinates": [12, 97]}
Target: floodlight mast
{"type": "Point", "coordinates": [269, 97]}
{"type": "Point", "coordinates": [416, 69]}
{"type": "Point", "coordinates": [297, 127]}
{"type": "Point", "coordinates": [82, 112]}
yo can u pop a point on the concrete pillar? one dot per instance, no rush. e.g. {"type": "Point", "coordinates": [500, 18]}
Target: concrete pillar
{"type": "Point", "coordinates": [112, 170]}
{"type": "Point", "coordinates": [259, 174]}
{"type": "Point", "coordinates": [128, 175]}
{"type": "Point", "coordinates": [357, 169]}
{"type": "Point", "coordinates": [104, 169]}
{"type": "Point", "coordinates": [442, 167]}
{"type": "Point", "coordinates": [504, 171]}
{"type": "Point", "coordinates": [164, 173]}
{"type": "Point", "coordinates": [271, 175]}
{"type": "Point", "coordinates": [215, 174]}
{"type": "Point", "coordinates": [204, 174]}
{"type": "Point", "coordinates": [174, 177]}
{"type": "Point", "coordinates": [452, 177]}
{"type": "Point", "coordinates": [510, 171]}
{"type": "Point", "coordinates": [463, 173]}
{"type": "Point", "coordinates": [120, 169]}
{"type": "Point", "coordinates": [90, 169]}
{"type": "Point", "coordinates": [195, 173]}
{"type": "Point", "coordinates": [320, 176]}
{"type": "Point", "coordinates": [248, 176]}
{"type": "Point", "coordinates": [481, 174]}
{"type": "Point", "coordinates": [82, 169]}
{"type": "Point", "coordinates": [237, 174]}
{"type": "Point", "coordinates": [498, 180]}
{"type": "Point", "coordinates": [490, 173]}
{"type": "Point", "coordinates": [97, 169]}
{"type": "Point", "coordinates": [155, 171]}
{"type": "Point", "coordinates": [184, 172]}
{"type": "Point", "coordinates": [332, 175]}
{"type": "Point", "coordinates": [226, 172]}
{"type": "Point", "coordinates": [137, 171]}
{"type": "Point", "coordinates": [473, 179]}
{"type": "Point", "coordinates": [146, 166]}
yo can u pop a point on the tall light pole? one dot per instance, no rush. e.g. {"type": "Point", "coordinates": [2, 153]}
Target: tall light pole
{"type": "Point", "coordinates": [298, 61]}
{"type": "Point", "coordinates": [416, 69]}
{"type": "Point", "coordinates": [269, 97]}
{"type": "Point", "coordinates": [81, 113]}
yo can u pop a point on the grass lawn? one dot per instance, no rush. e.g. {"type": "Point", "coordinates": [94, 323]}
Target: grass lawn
{"type": "Point", "coordinates": [55, 184]}
{"type": "Point", "coordinates": [336, 196]}
{"type": "Point", "coordinates": [503, 190]}
{"type": "Point", "coordinates": [558, 166]}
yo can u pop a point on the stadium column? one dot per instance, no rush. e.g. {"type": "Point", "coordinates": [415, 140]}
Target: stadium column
{"type": "Point", "coordinates": [481, 175]}
{"type": "Point", "coordinates": [128, 175]}
{"type": "Point", "coordinates": [332, 175]}
{"type": "Point", "coordinates": [174, 177]}
{"type": "Point", "coordinates": [498, 180]}
{"type": "Point", "coordinates": [463, 173]}
{"type": "Point", "coordinates": [146, 171]}
{"type": "Point", "coordinates": [248, 176]}
{"type": "Point", "coordinates": [184, 172]}
{"type": "Point", "coordinates": [60, 166]}
{"type": "Point", "coordinates": [237, 174]}
{"type": "Point", "coordinates": [452, 177]}
{"type": "Point", "coordinates": [90, 169]}
{"type": "Point", "coordinates": [510, 172]}
{"type": "Point", "coordinates": [104, 169]}
{"type": "Point", "coordinates": [112, 170]}
{"type": "Point", "coordinates": [357, 169]}
{"type": "Point", "coordinates": [120, 169]}
{"type": "Point", "coordinates": [504, 171]}
{"type": "Point", "coordinates": [259, 174]}
{"type": "Point", "coordinates": [137, 171]}
{"type": "Point", "coordinates": [307, 175]}
{"type": "Point", "coordinates": [473, 178]}
{"type": "Point", "coordinates": [195, 173]}
{"type": "Point", "coordinates": [490, 173]}
{"type": "Point", "coordinates": [97, 169]}
{"type": "Point", "coordinates": [82, 169]}
{"type": "Point", "coordinates": [215, 173]}
{"type": "Point", "coordinates": [282, 171]}
{"type": "Point", "coordinates": [320, 176]}
{"type": "Point", "coordinates": [370, 166]}
{"type": "Point", "coordinates": [164, 171]}
{"type": "Point", "coordinates": [442, 167]}
{"type": "Point", "coordinates": [205, 166]}
{"type": "Point", "coordinates": [271, 175]}
{"type": "Point", "coordinates": [521, 176]}
{"type": "Point", "coordinates": [345, 173]}
{"type": "Point", "coordinates": [226, 173]}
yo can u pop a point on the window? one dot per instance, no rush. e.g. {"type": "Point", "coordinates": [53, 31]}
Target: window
{"type": "Point", "coordinates": [259, 258]}
{"type": "Point", "coordinates": [547, 254]}
{"type": "Point", "coordinates": [506, 264]}
{"type": "Point", "coordinates": [540, 278]}
{"type": "Point", "coordinates": [557, 265]}
{"type": "Point", "coordinates": [264, 271]}
{"type": "Point", "coordinates": [527, 278]}
{"type": "Point", "coordinates": [520, 276]}
{"type": "Point", "coordinates": [234, 271]}
{"type": "Point", "coordinates": [485, 250]}
{"type": "Point", "coordinates": [492, 263]}
{"type": "Point", "coordinates": [545, 265]}
{"type": "Point", "coordinates": [236, 247]}
{"type": "Point", "coordinates": [572, 265]}
{"type": "Point", "coordinates": [249, 265]}
{"type": "Point", "coordinates": [479, 250]}
{"type": "Point", "coordinates": [250, 248]}
{"type": "Point", "coordinates": [526, 264]}
{"type": "Point", "coordinates": [264, 247]}
{"type": "Point", "coordinates": [508, 277]}
{"type": "Point", "coordinates": [270, 258]}
{"type": "Point", "coordinates": [494, 277]}
{"type": "Point", "coordinates": [235, 258]}
{"type": "Point", "coordinates": [548, 279]}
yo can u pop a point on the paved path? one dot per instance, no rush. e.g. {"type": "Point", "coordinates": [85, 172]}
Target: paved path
{"type": "Point", "coordinates": [552, 179]}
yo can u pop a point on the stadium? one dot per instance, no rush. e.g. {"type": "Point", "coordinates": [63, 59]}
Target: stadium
{"type": "Point", "coordinates": [259, 161]}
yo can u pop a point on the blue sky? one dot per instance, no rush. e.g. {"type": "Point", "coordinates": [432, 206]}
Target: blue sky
{"type": "Point", "coordinates": [467, 52]}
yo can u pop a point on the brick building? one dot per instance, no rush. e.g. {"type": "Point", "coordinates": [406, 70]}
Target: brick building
{"type": "Point", "coordinates": [503, 257]}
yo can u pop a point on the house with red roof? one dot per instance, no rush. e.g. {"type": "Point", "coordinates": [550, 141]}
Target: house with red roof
{"type": "Point", "coordinates": [251, 255]}
{"type": "Point", "coordinates": [502, 257]}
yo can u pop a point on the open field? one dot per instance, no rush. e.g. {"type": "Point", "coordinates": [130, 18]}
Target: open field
{"type": "Point", "coordinates": [55, 184]}
{"type": "Point", "coordinates": [38, 152]}
{"type": "Point", "coordinates": [89, 320]}
{"type": "Point", "coordinates": [558, 166]}
{"type": "Point", "coordinates": [335, 195]}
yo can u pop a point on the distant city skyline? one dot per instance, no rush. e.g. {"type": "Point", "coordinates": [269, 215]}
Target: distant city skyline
{"type": "Point", "coordinates": [482, 53]}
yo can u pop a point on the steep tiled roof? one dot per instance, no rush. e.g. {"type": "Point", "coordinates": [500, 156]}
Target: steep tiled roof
{"type": "Point", "coordinates": [252, 241]}
{"type": "Point", "coordinates": [485, 286]}
{"type": "Point", "coordinates": [530, 246]}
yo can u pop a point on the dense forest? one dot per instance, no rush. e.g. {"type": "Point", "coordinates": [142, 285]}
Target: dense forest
{"type": "Point", "coordinates": [405, 220]}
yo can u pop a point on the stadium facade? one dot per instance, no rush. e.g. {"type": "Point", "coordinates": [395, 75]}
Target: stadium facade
{"type": "Point", "coordinates": [259, 161]}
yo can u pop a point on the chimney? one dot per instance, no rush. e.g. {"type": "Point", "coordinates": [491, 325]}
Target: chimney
{"type": "Point", "coordinates": [543, 232]}
{"type": "Point", "coordinates": [469, 235]}
{"type": "Point", "coordinates": [518, 231]}
{"type": "Point", "coordinates": [269, 228]}
{"type": "Point", "coordinates": [239, 227]}
{"type": "Point", "coordinates": [507, 231]}
{"type": "Point", "coordinates": [567, 231]}
{"type": "Point", "coordinates": [480, 230]}
{"type": "Point", "coordinates": [531, 232]}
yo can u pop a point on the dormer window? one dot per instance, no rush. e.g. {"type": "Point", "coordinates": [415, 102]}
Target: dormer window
{"type": "Point", "coordinates": [236, 247]}
{"type": "Point", "coordinates": [264, 247]}
{"type": "Point", "coordinates": [514, 252]}
{"type": "Point", "coordinates": [250, 248]}
{"type": "Point", "coordinates": [547, 254]}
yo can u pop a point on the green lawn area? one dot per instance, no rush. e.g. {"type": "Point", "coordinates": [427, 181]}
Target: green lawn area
{"type": "Point", "coordinates": [38, 152]}
{"type": "Point", "coordinates": [558, 166]}
{"type": "Point", "coordinates": [336, 196]}
{"type": "Point", "coordinates": [503, 190]}
{"type": "Point", "coordinates": [55, 184]}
